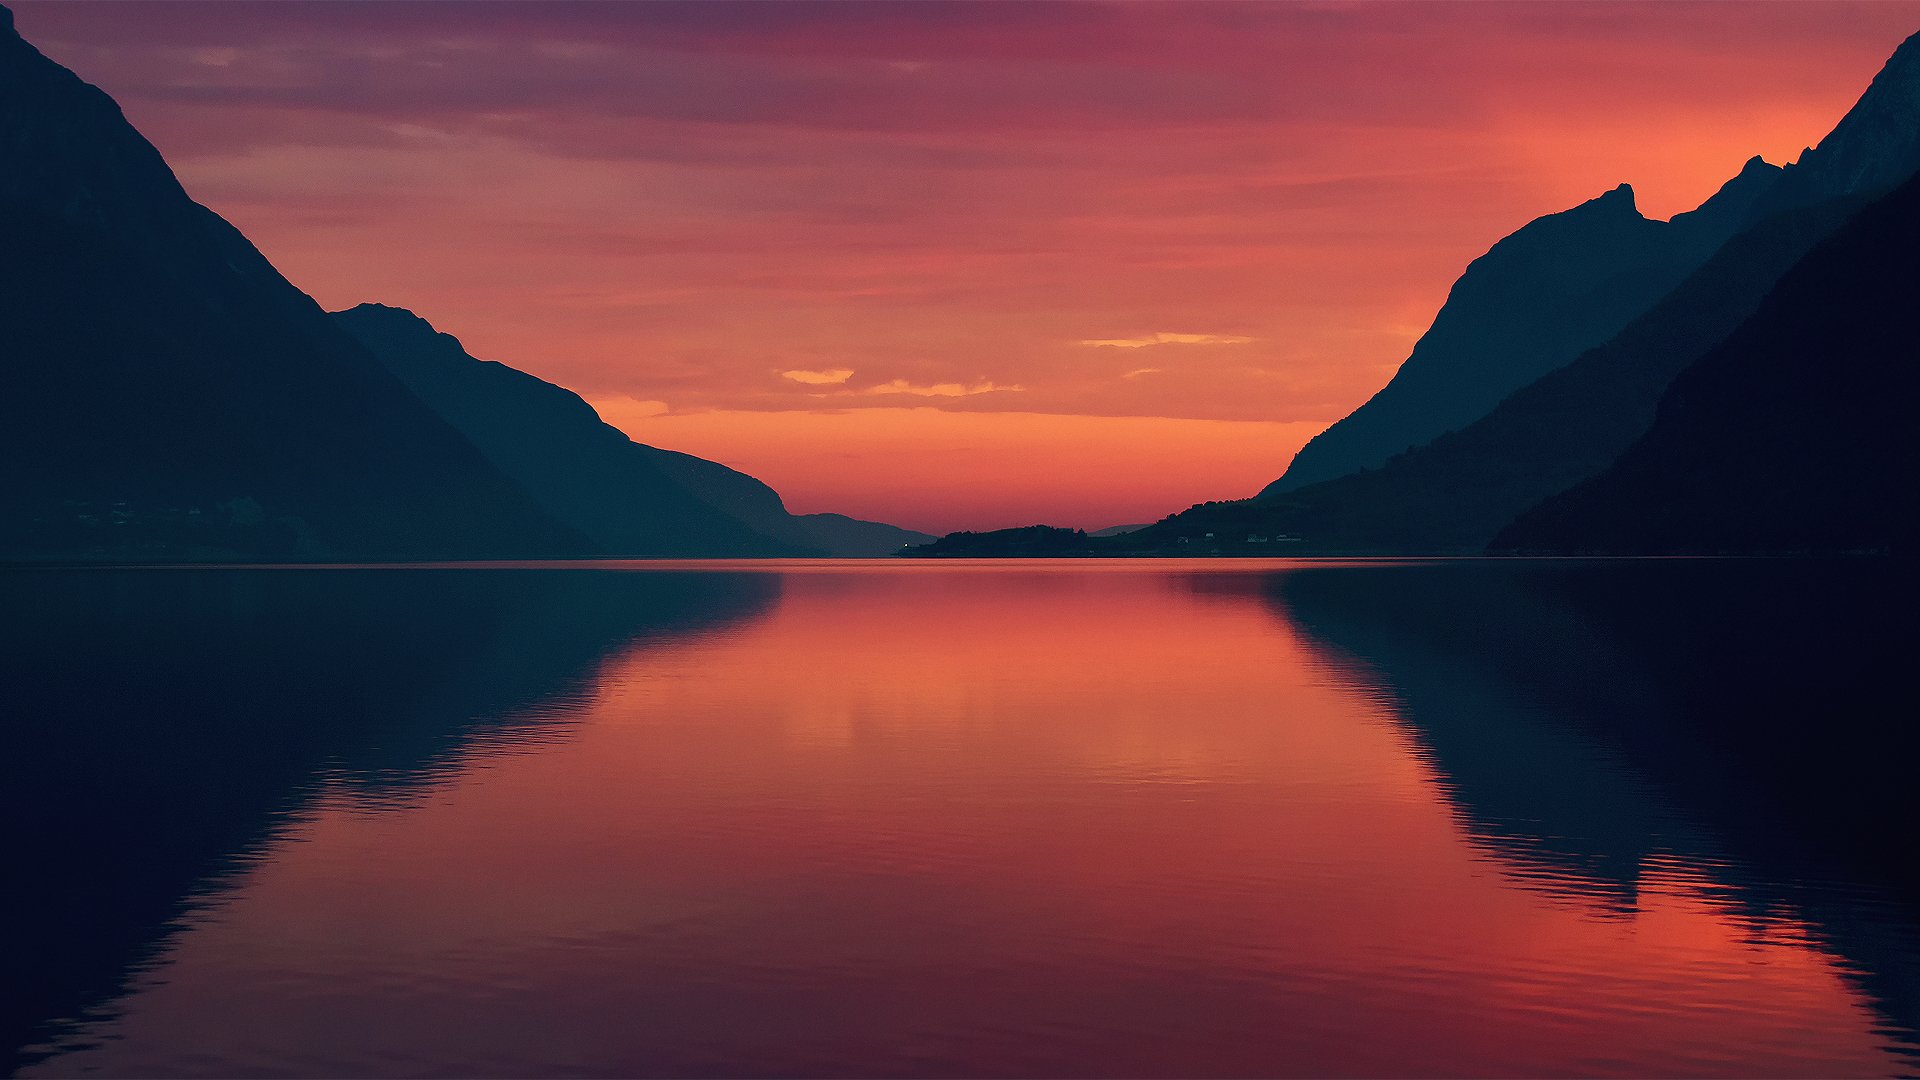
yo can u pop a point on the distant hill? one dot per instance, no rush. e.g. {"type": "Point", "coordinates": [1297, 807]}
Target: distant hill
{"type": "Point", "coordinates": [1796, 434]}
{"type": "Point", "coordinates": [1028, 540]}
{"type": "Point", "coordinates": [1557, 287]}
{"type": "Point", "coordinates": [630, 499]}
{"type": "Point", "coordinates": [852, 538]}
{"type": "Point", "coordinates": [166, 394]}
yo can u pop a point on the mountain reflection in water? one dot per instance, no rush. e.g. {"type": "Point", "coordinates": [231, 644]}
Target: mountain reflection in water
{"type": "Point", "coordinates": [1167, 818]}
{"type": "Point", "coordinates": [162, 724]}
{"type": "Point", "coordinates": [1594, 721]}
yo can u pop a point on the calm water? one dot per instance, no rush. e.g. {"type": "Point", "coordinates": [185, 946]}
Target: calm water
{"type": "Point", "coordinates": [1472, 818]}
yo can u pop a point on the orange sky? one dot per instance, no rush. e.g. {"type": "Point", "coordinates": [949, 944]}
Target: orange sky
{"type": "Point", "coordinates": [951, 266]}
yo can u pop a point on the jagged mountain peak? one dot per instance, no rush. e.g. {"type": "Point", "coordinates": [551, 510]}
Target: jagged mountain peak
{"type": "Point", "coordinates": [1888, 110]}
{"type": "Point", "coordinates": [1873, 149]}
{"type": "Point", "coordinates": [1605, 218]}
{"type": "Point", "coordinates": [1887, 114]}
{"type": "Point", "coordinates": [1730, 208]}
{"type": "Point", "coordinates": [1756, 173]}
{"type": "Point", "coordinates": [1613, 208]}
{"type": "Point", "coordinates": [1539, 297]}
{"type": "Point", "coordinates": [1618, 199]}
{"type": "Point", "coordinates": [1791, 435]}
{"type": "Point", "coordinates": [397, 322]}
{"type": "Point", "coordinates": [373, 310]}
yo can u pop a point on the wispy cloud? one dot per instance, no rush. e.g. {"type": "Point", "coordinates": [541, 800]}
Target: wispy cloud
{"type": "Point", "coordinates": [1166, 339]}
{"type": "Point", "coordinates": [945, 389]}
{"type": "Point", "coordinates": [1137, 372]}
{"type": "Point", "coordinates": [832, 377]}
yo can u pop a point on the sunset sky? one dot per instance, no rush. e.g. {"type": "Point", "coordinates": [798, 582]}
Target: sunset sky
{"type": "Point", "coordinates": [951, 266]}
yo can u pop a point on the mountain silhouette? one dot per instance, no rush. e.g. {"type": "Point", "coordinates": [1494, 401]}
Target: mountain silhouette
{"type": "Point", "coordinates": [1794, 435]}
{"type": "Point", "coordinates": [1872, 150]}
{"type": "Point", "coordinates": [630, 499]}
{"type": "Point", "coordinates": [1453, 495]}
{"type": "Point", "coordinates": [1569, 281]}
{"type": "Point", "coordinates": [166, 394]}
{"type": "Point", "coordinates": [1456, 493]}
{"type": "Point", "coordinates": [1557, 287]}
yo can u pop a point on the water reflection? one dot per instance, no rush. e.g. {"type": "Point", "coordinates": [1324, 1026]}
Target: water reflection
{"type": "Point", "coordinates": [913, 819]}
{"type": "Point", "coordinates": [1597, 724]}
{"type": "Point", "coordinates": [160, 725]}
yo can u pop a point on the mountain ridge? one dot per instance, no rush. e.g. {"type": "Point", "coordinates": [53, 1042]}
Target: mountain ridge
{"type": "Point", "coordinates": [1532, 303]}
{"type": "Point", "coordinates": [1571, 423]}
{"type": "Point", "coordinates": [1793, 436]}
{"type": "Point", "coordinates": [1873, 147]}
{"type": "Point", "coordinates": [167, 394]}
{"type": "Point", "coordinates": [632, 499]}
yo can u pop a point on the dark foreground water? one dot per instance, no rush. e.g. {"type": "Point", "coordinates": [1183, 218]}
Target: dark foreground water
{"type": "Point", "coordinates": [1111, 819]}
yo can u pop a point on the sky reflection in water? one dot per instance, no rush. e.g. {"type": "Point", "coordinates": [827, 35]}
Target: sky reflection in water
{"type": "Point", "coordinates": [1126, 818]}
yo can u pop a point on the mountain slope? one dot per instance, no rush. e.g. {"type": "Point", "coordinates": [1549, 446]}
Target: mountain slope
{"type": "Point", "coordinates": [631, 499]}
{"type": "Point", "coordinates": [1520, 298]}
{"type": "Point", "coordinates": [1794, 435]}
{"type": "Point", "coordinates": [1454, 494]}
{"type": "Point", "coordinates": [1557, 287]}
{"type": "Point", "coordinates": [1872, 150]}
{"type": "Point", "coordinates": [166, 394]}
